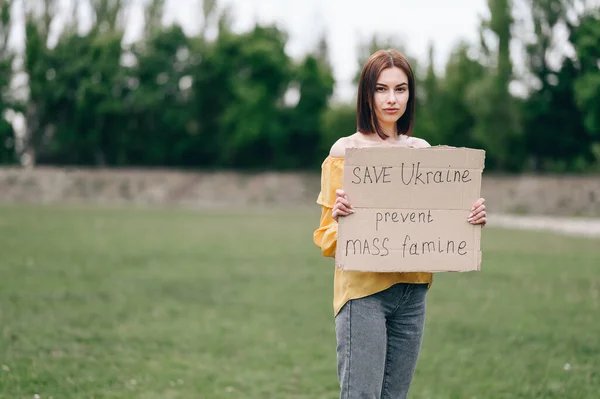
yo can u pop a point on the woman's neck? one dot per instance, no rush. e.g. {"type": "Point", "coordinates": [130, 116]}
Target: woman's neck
{"type": "Point", "coordinates": [391, 131]}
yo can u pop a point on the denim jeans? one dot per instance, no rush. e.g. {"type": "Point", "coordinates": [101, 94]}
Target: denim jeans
{"type": "Point", "coordinates": [378, 342]}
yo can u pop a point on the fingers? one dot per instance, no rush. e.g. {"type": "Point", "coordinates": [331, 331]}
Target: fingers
{"type": "Point", "coordinates": [478, 210]}
{"type": "Point", "coordinates": [477, 204]}
{"type": "Point", "coordinates": [480, 218]}
{"type": "Point", "coordinates": [478, 214]}
{"type": "Point", "coordinates": [342, 206]}
{"type": "Point", "coordinates": [337, 212]}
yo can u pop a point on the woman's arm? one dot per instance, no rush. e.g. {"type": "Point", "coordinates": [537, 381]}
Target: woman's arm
{"type": "Point", "coordinates": [325, 236]}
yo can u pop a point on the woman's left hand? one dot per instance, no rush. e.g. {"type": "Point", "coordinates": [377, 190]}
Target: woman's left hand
{"type": "Point", "coordinates": [478, 215]}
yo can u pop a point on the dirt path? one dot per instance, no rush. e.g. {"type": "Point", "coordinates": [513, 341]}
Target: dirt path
{"type": "Point", "coordinates": [588, 227]}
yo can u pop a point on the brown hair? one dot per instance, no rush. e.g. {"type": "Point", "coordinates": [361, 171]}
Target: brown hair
{"type": "Point", "coordinates": [366, 118]}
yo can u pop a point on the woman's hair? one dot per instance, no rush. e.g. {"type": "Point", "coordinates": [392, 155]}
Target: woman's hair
{"type": "Point", "coordinates": [366, 117]}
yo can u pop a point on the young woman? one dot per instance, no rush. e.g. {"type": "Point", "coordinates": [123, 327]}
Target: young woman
{"type": "Point", "coordinates": [379, 317]}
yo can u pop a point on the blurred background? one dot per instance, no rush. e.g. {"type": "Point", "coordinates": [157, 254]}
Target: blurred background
{"type": "Point", "coordinates": [221, 112]}
{"type": "Point", "coordinates": [271, 84]}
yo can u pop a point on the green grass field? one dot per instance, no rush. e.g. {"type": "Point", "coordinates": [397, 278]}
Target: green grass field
{"type": "Point", "coordinates": [180, 304]}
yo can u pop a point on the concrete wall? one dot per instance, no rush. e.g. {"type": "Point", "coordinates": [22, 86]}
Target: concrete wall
{"type": "Point", "coordinates": [552, 195]}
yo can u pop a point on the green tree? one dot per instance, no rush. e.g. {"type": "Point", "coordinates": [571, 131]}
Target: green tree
{"type": "Point", "coordinates": [497, 121]}
{"type": "Point", "coordinates": [37, 66]}
{"type": "Point", "coordinates": [153, 14]}
{"type": "Point", "coordinates": [338, 120]}
{"type": "Point", "coordinates": [367, 47]}
{"type": "Point", "coordinates": [428, 113]}
{"type": "Point", "coordinates": [552, 109]}
{"type": "Point", "coordinates": [212, 87]}
{"type": "Point", "coordinates": [7, 138]}
{"type": "Point", "coordinates": [161, 121]}
{"type": "Point", "coordinates": [300, 145]}
{"type": "Point", "coordinates": [456, 117]}
{"type": "Point", "coordinates": [239, 86]}
{"type": "Point", "coordinates": [585, 38]}
{"type": "Point", "coordinates": [84, 89]}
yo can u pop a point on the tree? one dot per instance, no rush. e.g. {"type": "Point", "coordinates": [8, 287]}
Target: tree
{"type": "Point", "coordinates": [161, 125]}
{"type": "Point", "coordinates": [239, 86]}
{"type": "Point", "coordinates": [497, 122]}
{"type": "Point", "coordinates": [552, 109]}
{"type": "Point", "coordinates": [585, 38]}
{"type": "Point", "coordinates": [428, 114]}
{"type": "Point", "coordinates": [367, 47]}
{"type": "Point", "coordinates": [338, 120]}
{"type": "Point", "coordinates": [314, 77]}
{"type": "Point", "coordinates": [83, 91]}
{"type": "Point", "coordinates": [7, 138]}
{"type": "Point", "coordinates": [237, 100]}
{"type": "Point", "coordinates": [455, 117]}
{"type": "Point", "coordinates": [37, 67]}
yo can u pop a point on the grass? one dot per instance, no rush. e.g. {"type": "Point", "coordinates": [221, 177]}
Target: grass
{"type": "Point", "coordinates": [99, 303]}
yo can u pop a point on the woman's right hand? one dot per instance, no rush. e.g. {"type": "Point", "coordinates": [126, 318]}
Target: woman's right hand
{"type": "Point", "coordinates": [342, 206]}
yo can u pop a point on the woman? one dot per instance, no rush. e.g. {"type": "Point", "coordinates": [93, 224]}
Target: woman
{"type": "Point", "coordinates": [379, 317]}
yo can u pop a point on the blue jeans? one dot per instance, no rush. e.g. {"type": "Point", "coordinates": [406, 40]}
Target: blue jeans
{"type": "Point", "coordinates": [378, 342]}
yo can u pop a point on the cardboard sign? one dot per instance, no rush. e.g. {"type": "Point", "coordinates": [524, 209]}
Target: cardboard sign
{"type": "Point", "coordinates": [411, 207]}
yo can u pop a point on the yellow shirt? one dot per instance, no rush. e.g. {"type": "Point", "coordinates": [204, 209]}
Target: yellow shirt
{"type": "Point", "coordinates": [350, 284]}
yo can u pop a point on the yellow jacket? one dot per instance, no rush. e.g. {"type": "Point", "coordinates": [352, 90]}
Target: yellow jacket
{"type": "Point", "coordinates": [350, 284]}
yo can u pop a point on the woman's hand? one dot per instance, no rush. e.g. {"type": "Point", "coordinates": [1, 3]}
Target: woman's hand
{"type": "Point", "coordinates": [342, 206]}
{"type": "Point", "coordinates": [478, 215]}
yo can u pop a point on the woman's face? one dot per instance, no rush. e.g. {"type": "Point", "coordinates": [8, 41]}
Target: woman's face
{"type": "Point", "coordinates": [391, 95]}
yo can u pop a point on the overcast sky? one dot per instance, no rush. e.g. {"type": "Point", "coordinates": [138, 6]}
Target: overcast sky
{"type": "Point", "coordinates": [346, 21]}
{"type": "Point", "coordinates": [415, 23]}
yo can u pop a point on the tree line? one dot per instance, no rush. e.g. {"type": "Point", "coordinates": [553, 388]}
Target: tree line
{"type": "Point", "coordinates": [237, 100]}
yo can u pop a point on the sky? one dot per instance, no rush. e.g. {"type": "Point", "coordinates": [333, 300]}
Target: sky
{"type": "Point", "coordinates": [344, 22]}
{"type": "Point", "coordinates": [347, 22]}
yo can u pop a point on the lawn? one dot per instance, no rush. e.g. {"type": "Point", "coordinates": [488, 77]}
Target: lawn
{"type": "Point", "coordinates": [126, 303]}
